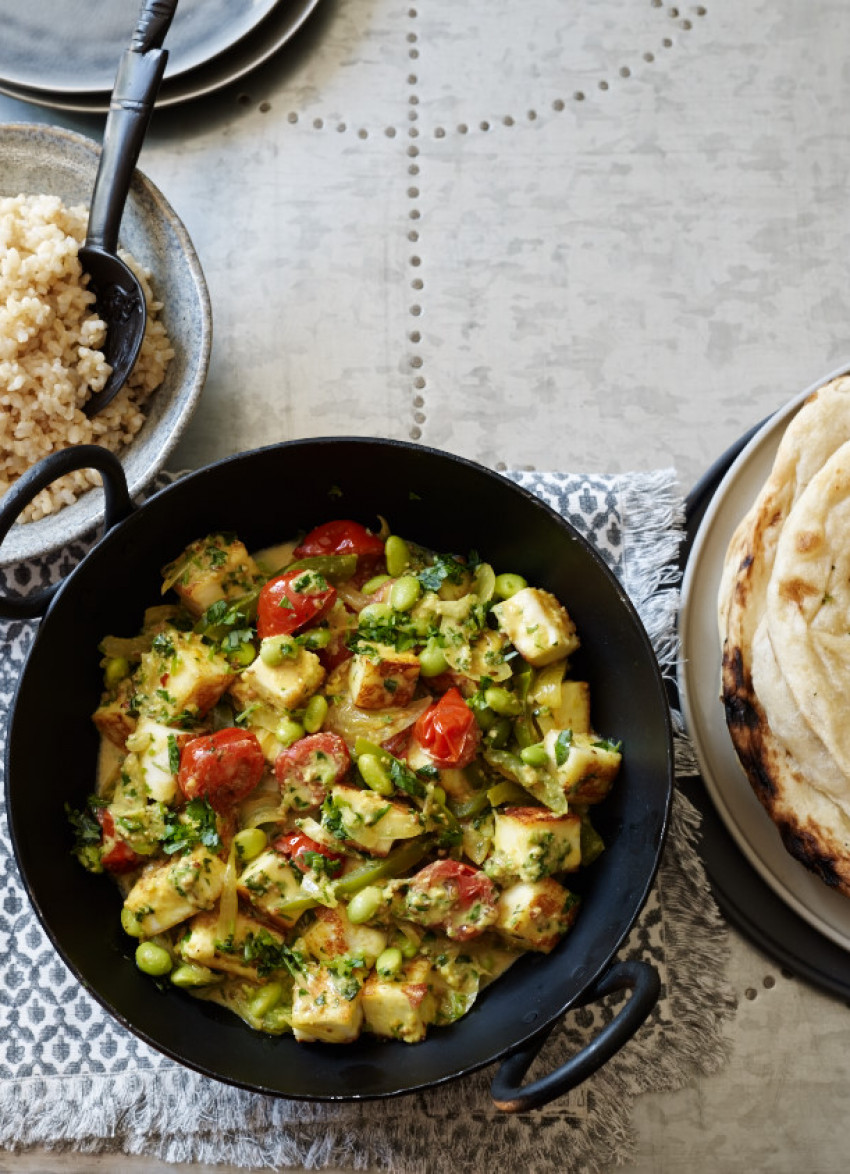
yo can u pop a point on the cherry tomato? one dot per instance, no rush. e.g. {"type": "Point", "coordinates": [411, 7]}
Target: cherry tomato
{"type": "Point", "coordinates": [291, 600]}
{"type": "Point", "coordinates": [397, 744]}
{"type": "Point", "coordinates": [341, 537]}
{"type": "Point", "coordinates": [448, 730]}
{"type": "Point", "coordinates": [223, 767]}
{"type": "Point", "coordinates": [116, 854]}
{"type": "Point", "coordinates": [312, 764]}
{"type": "Point", "coordinates": [299, 848]}
{"type": "Point", "coordinates": [459, 899]}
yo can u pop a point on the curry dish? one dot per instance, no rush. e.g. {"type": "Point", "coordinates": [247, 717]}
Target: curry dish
{"type": "Point", "coordinates": [343, 782]}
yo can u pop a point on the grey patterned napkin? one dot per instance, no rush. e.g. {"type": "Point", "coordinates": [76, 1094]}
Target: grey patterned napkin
{"type": "Point", "coordinates": [72, 1077]}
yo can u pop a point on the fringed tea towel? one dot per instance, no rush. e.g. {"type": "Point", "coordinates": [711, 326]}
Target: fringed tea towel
{"type": "Point", "coordinates": [71, 1077]}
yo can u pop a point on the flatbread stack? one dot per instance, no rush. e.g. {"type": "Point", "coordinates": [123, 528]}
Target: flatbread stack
{"type": "Point", "coordinates": [784, 617]}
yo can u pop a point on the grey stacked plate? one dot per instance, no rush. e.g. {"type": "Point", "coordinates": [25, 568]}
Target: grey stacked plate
{"type": "Point", "coordinates": [63, 53]}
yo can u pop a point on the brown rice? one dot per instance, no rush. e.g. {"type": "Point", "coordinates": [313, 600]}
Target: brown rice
{"type": "Point", "coordinates": [50, 361]}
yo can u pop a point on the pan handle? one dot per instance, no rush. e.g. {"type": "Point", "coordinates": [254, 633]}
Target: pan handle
{"type": "Point", "coordinates": [67, 460]}
{"type": "Point", "coordinates": [645, 985]}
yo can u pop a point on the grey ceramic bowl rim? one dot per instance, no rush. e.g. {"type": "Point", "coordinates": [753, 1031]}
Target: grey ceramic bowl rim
{"type": "Point", "coordinates": [23, 541]}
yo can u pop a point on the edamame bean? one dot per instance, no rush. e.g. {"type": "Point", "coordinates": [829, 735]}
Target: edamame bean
{"type": "Point", "coordinates": [408, 947]}
{"type": "Point", "coordinates": [249, 843]}
{"type": "Point", "coordinates": [374, 775]}
{"type": "Point", "coordinates": [374, 584]}
{"type": "Point", "coordinates": [289, 731]}
{"type": "Point", "coordinates": [405, 592]}
{"type": "Point", "coordinates": [265, 999]}
{"type": "Point", "coordinates": [397, 555]}
{"type": "Point", "coordinates": [364, 905]}
{"type": "Point", "coordinates": [242, 656]}
{"type": "Point", "coordinates": [189, 975]}
{"type": "Point", "coordinates": [153, 959]}
{"type": "Point", "coordinates": [315, 713]}
{"type": "Point", "coordinates": [507, 585]}
{"type": "Point", "coordinates": [432, 660]}
{"type": "Point", "coordinates": [375, 613]}
{"type": "Point", "coordinates": [271, 653]}
{"type": "Point", "coordinates": [534, 755]}
{"type": "Point", "coordinates": [318, 638]}
{"type": "Point", "coordinates": [117, 668]}
{"type": "Point", "coordinates": [130, 923]}
{"type": "Point", "coordinates": [389, 962]}
{"type": "Point", "coordinates": [502, 701]}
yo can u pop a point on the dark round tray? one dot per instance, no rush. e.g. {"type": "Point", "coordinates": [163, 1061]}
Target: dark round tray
{"type": "Point", "coordinates": [743, 897]}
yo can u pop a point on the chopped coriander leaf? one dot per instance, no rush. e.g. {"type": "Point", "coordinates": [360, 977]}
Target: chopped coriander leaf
{"type": "Point", "coordinates": [173, 754]}
{"type": "Point", "coordinates": [444, 568]}
{"type": "Point", "coordinates": [195, 824]}
{"type": "Point", "coordinates": [562, 746]}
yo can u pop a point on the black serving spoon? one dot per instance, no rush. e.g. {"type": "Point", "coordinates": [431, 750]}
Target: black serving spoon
{"type": "Point", "coordinates": [120, 301]}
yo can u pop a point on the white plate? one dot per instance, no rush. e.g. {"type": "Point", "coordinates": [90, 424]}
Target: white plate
{"type": "Point", "coordinates": [250, 51]}
{"type": "Point", "coordinates": [699, 688]}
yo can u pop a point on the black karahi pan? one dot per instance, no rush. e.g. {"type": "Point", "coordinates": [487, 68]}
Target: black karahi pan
{"type": "Point", "coordinates": [266, 496]}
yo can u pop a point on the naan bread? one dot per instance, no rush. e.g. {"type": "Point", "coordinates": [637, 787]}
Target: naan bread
{"type": "Point", "coordinates": [793, 770]}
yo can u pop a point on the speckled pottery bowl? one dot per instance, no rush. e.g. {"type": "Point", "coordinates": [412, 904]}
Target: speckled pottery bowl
{"type": "Point", "coordinates": [37, 159]}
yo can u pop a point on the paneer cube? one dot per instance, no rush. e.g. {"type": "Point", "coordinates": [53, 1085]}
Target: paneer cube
{"type": "Point", "coordinates": [285, 686]}
{"type": "Point", "coordinates": [273, 887]}
{"type": "Point", "coordinates": [331, 936]}
{"type": "Point", "coordinates": [157, 749]}
{"type": "Point", "coordinates": [403, 1007]}
{"type": "Point", "coordinates": [369, 821]}
{"type": "Point", "coordinates": [113, 717]}
{"type": "Point", "coordinates": [383, 678]}
{"type": "Point", "coordinates": [572, 711]}
{"type": "Point", "coordinates": [537, 625]}
{"type": "Point", "coordinates": [535, 915]}
{"type": "Point", "coordinates": [168, 892]}
{"type": "Point", "coordinates": [214, 568]}
{"type": "Point", "coordinates": [202, 945]}
{"type": "Point", "coordinates": [590, 766]}
{"type": "Point", "coordinates": [531, 842]}
{"type": "Point", "coordinates": [321, 1013]}
{"type": "Point", "coordinates": [181, 678]}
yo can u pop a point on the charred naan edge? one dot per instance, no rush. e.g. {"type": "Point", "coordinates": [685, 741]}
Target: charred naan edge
{"type": "Point", "coordinates": [813, 829]}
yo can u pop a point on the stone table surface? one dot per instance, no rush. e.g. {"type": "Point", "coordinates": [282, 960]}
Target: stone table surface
{"type": "Point", "coordinates": [592, 237]}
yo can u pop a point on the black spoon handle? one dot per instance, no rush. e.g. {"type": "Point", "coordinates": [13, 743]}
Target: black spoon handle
{"type": "Point", "coordinates": [131, 106]}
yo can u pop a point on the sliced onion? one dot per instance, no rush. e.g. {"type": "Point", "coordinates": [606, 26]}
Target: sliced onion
{"type": "Point", "coordinates": [376, 725]}
{"type": "Point", "coordinates": [352, 597]}
{"type": "Point", "coordinates": [229, 901]}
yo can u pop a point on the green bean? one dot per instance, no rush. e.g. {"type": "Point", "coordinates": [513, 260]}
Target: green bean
{"type": "Point", "coordinates": [396, 863]}
{"type": "Point", "coordinates": [502, 701]}
{"type": "Point", "coordinates": [117, 668]}
{"type": "Point", "coordinates": [266, 998]}
{"type": "Point", "coordinates": [507, 585]}
{"type": "Point", "coordinates": [374, 584]}
{"type": "Point", "coordinates": [397, 555]}
{"type": "Point", "coordinates": [499, 733]}
{"type": "Point", "coordinates": [364, 905]}
{"type": "Point", "coordinates": [364, 746]}
{"type": "Point", "coordinates": [289, 731]}
{"type": "Point", "coordinates": [374, 775]}
{"type": "Point", "coordinates": [315, 713]}
{"type": "Point", "coordinates": [405, 592]}
{"type": "Point", "coordinates": [153, 959]}
{"type": "Point", "coordinates": [335, 567]}
{"type": "Point", "coordinates": [250, 842]}
{"type": "Point", "coordinates": [534, 755]}
{"type": "Point", "coordinates": [432, 660]}
{"type": "Point", "coordinates": [508, 792]}
{"type": "Point", "coordinates": [389, 962]}
{"type": "Point", "coordinates": [189, 975]}
{"type": "Point", "coordinates": [472, 807]}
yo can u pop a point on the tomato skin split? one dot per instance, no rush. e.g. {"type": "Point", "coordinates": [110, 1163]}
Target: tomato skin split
{"type": "Point", "coordinates": [340, 537]}
{"type": "Point", "coordinates": [448, 731]}
{"type": "Point", "coordinates": [223, 767]}
{"type": "Point", "coordinates": [316, 762]}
